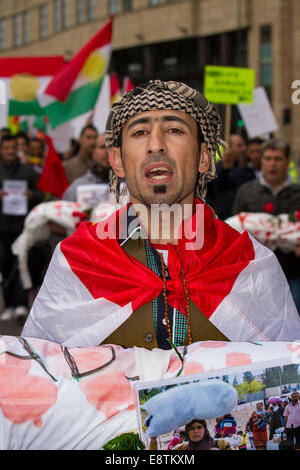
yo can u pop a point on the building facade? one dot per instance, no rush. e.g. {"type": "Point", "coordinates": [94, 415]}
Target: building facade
{"type": "Point", "coordinates": [171, 39]}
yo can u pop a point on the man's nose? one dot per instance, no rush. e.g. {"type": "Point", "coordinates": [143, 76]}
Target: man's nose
{"type": "Point", "coordinates": [156, 141]}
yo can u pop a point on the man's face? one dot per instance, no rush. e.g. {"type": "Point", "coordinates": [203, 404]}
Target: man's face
{"type": "Point", "coordinates": [22, 144]}
{"type": "Point", "coordinates": [255, 155]}
{"type": "Point", "coordinates": [238, 146]}
{"type": "Point", "coordinates": [36, 149]}
{"type": "Point", "coordinates": [8, 151]}
{"type": "Point", "coordinates": [100, 155]}
{"type": "Point", "coordinates": [294, 397]}
{"type": "Point", "coordinates": [160, 157]}
{"type": "Point", "coordinates": [259, 407]}
{"type": "Point", "coordinates": [274, 166]}
{"type": "Point", "coordinates": [87, 141]}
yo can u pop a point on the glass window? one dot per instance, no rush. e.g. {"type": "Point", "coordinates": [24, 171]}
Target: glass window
{"type": "Point", "coordinates": [266, 62]}
{"type": "Point", "coordinates": [64, 13]}
{"type": "Point", "coordinates": [80, 11]}
{"type": "Point", "coordinates": [17, 28]}
{"type": "Point", "coordinates": [43, 21]}
{"type": "Point", "coordinates": [26, 27]}
{"type": "Point", "coordinates": [91, 9]}
{"type": "Point", "coordinates": [154, 2]}
{"type": "Point", "coordinates": [127, 6]}
{"type": "Point", "coordinates": [113, 6]}
{"type": "Point", "coordinates": [57, 15]}
{"type": "Point", "coordinates": [2, 34]}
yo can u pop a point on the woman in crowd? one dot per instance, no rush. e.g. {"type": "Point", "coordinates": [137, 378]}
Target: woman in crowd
{"type": "Point", "coordinates": [199, 438]}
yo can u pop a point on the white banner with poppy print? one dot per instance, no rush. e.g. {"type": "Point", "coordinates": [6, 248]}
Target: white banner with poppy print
{"type": "Point", "coordinates": [273, 231]}
{"type": "Point", "coordinates": [52, 397]}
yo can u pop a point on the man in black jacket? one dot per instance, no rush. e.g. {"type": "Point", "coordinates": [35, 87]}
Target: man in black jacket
{"type": "Point", "coordinates": [275, 192]}
{"type": "Point", "coordinates": [11, 224]}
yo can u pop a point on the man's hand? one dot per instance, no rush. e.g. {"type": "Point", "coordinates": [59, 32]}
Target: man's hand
{"type": "Point", "coordinates": [297, 251]}
{"type": "Point", "coordinates": [2, 193]}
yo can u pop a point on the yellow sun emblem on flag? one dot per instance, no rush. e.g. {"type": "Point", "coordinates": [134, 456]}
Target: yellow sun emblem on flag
{"type": "Point", "coordinates": [94, 66]}
{"type": "Point", "coordinates": [24, 86]}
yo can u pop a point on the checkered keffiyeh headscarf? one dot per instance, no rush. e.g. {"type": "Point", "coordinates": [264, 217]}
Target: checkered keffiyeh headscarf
{"type": "Point", "coordinates": [157, 94]}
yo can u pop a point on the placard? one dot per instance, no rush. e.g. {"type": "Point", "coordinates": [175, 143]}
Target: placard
{"type": "Point", "coordinates": [258, 117]}
{"type": "Point", "coordinates": [15, 202]}
{"type": "Point", "coordinates": [229, 85]}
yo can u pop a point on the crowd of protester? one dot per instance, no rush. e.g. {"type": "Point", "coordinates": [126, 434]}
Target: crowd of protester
{"type": "Point", "coordinates": [252, 177]}
{"type": "Point", "coordinates": [22, 158]}
{"type": "Point", "coordinates": [274, 419]}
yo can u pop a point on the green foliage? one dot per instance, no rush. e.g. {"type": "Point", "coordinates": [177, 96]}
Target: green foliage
{"type": "Point", "coordinates": [126, 441]}
{"type": "Point", "coordinates": [248, 387]}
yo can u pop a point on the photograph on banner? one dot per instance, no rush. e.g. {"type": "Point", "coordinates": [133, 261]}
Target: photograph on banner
{"type": "Point", "coordinates": [241, 408]}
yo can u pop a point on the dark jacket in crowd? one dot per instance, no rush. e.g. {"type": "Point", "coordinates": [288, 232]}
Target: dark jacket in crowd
{"type": "Point", "coordinates": [18, 171]}
{"type": "Point", "coordinates": [253, 196]}
{"type": "Point", "coordinates": [222, 190]}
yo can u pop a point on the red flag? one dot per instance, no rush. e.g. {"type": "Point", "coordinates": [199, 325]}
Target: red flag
{"type": "Point", "coordinates": [115, 90]}
{"type": "Point", "coordinates": [127, 85]}
{"type": "Point", "coordinates": [53, 177]}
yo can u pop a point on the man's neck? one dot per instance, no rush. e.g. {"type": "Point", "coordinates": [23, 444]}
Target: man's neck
{"type": "Point", "coordinates": [163, 226]}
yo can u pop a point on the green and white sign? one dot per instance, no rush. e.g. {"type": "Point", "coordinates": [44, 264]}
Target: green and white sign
{"type": "Point", "coordinates": [229, 85]}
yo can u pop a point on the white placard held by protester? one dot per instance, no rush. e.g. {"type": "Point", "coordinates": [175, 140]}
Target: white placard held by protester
{"type": "Point", "coordinates": [258, 117]}
{"type": "Point", "coordinates": [15, 202]}
{"type": "Point", "coordinates": [91, 195]}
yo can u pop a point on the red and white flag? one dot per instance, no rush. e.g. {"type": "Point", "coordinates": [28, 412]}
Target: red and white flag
{"type": "Point", "coordinates": [92, 287]}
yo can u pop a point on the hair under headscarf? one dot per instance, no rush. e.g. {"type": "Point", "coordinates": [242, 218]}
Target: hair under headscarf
{"type": "Point", "coordinates": [157, 94]}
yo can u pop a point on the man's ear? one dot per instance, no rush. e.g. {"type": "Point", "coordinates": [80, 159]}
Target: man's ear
{"type": "Point", "coordinates": [204, 162]}
{"type": "Point", "coordinates": [115, 161]}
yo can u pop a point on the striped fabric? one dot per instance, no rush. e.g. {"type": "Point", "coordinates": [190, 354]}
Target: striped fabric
{"type": "Point", "coordinates": [179, 320]}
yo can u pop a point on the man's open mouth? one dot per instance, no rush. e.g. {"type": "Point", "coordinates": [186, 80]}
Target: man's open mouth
{"type": "Point", "coordinates": [158, 172]}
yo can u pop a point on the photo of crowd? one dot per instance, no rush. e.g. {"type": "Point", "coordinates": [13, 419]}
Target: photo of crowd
{"type": "Point", "coordinates": [265, 415]}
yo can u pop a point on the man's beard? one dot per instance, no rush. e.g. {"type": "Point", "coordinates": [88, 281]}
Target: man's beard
{"type": "Point", "coordinates": [160, 189]}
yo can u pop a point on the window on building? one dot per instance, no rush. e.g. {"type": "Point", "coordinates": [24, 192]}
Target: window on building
{"type": "Point", "coordinates": [127, 5]}
{"type": "Point", "coordinates": [154, 2]}
{"type": "Point", "coordinates": [2, 34]}
{"type": "Point", "coordinates": [43, 21]}
{"type": "Point", "coordinates": [57, 15]}
{"type": "Point", "coordinates": [26, 28]}
{"type": "Point", "coordinates": [17, 29]}
{"type": "Point", "coordinates": [61, 12]}
{"type": "Point", "coordinates": [266, 62]}
{"type": "Point", "coordinates": [80, 11]}
{"type": "Point", "coordinates": [64, 13]}
{"type": "Point", "coordinates": [113, 7]}
{"type": "Point", "coordinates": [91, 6]}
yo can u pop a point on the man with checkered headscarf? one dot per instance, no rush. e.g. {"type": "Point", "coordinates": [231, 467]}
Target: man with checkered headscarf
{"type": "Point", "coordinates": [128, 280]}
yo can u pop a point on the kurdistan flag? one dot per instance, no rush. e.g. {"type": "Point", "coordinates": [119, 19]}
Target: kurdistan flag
{"type": "Point", "coordinates": [75, 88]}
{"type": "Point", "coordinates": [23, 77]}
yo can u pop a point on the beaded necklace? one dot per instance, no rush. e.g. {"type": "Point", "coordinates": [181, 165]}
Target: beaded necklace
{"type": "Point", "coordinates": [165, 295]}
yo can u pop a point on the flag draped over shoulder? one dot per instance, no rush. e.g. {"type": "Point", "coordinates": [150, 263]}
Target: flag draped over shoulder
{"type": "Point", "coordinates": [24, 77]}
{"type": "Point", "coordinates": [75, 88]}
{"type": "Point", "coordinates": [53, 177]}
{"type": "Point", "coordinates": [92, 286]}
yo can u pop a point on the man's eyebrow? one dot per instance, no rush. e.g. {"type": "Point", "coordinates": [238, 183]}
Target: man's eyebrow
{"type": "Point", "coordinates": [167, 118]}
{"type": "Point", "coordinates": [144, 120]}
